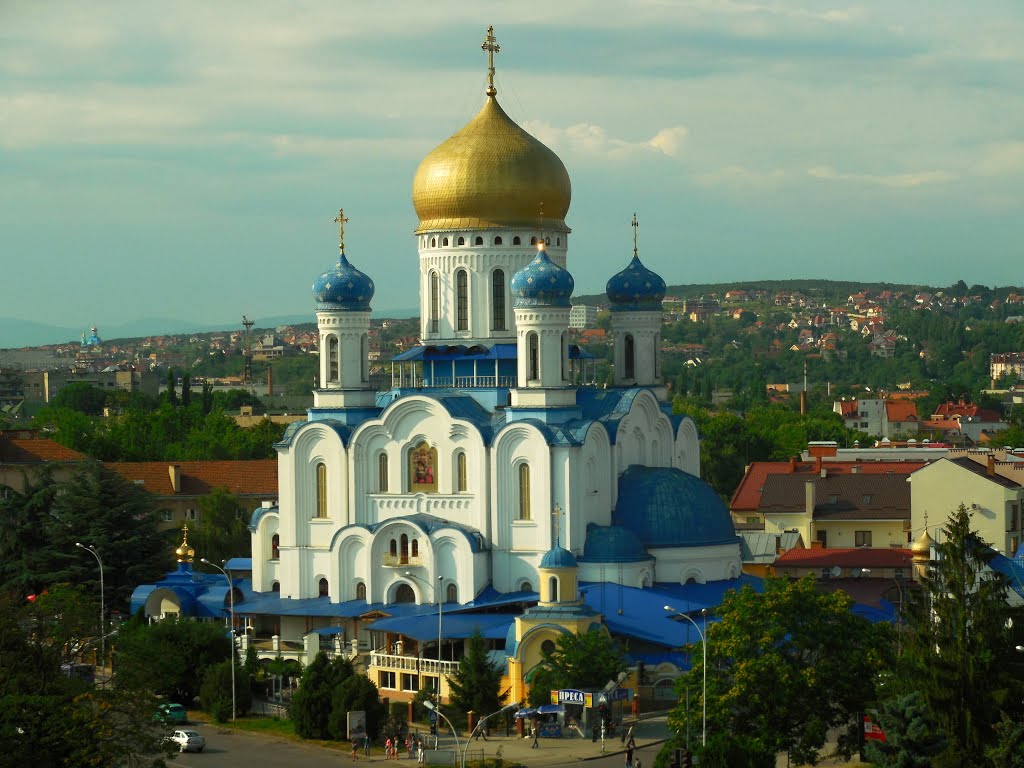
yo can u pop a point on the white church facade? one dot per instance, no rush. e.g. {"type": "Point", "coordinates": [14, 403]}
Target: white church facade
{"type": "Point", "coordinates": [410, 518]}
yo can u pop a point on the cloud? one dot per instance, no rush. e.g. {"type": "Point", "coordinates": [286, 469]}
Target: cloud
{"type": "Point", "coordinates": [1001, 159]}
{"type": "Point", "coordinates": [891, 181]}
{"type": "Point", "coordinates": [591, 139]}
{"type": "Point", "coordinates": [741, 176]}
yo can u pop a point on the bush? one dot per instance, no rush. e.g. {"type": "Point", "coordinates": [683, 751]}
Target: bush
{"type": "Point", "coordinates": [216, 688]}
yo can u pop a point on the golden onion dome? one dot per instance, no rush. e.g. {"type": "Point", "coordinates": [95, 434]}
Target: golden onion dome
{"type": "Point", "coordinates": [184, 552]}
{"type": "Point", "coordinates": [922, 548]}
{"type": "Point", "coordinates": [490, 174]}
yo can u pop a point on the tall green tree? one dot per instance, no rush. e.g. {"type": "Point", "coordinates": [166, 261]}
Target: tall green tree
{"type": "Point", "coordinates": [476, 685]}
{"type": "Point", "coordinates": [580, 660]}
{"type": "Point", "coordinates": [913, 737]}
{"type": "Point", "coordinates": [356, 693]}
{"type": "Point", "coordinates": [960, 644]}
{"type": "Point", "coordinates": [785, 666]}
{"type": "Point", "coordinates": [220, 532]}
{"type": "Point", "coordinates": [312, 704]}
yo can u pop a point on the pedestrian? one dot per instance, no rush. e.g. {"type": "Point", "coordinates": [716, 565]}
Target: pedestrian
{"type": "Point", "coordinates": [629, 756]}
{"type": "Point", "coordinates": [420, 752]}
{"type": "Point", "coordinates": [387, 749]}
{"type": "Point", "coordinates": [408, 746]}
{"type": "Point", "coordinates": [366, 745]}
{"type": "Point", "coordinates": [355, 751]}
{"type": "Point", "coordinates": [536, 733]}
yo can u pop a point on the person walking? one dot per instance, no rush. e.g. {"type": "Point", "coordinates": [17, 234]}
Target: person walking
{"type": "Point", "coordinates": [355, 751]}
{"type": "Point", "coordinates": [536, 734]}
{"type": "Point", "coordinates": [421, 753]}
{"type": "Point", "coordinates": [366, 745]}
{"type": "Point", "coordinates": [629, 755]}
{"type": "Point", "coordinates": [387, 749]}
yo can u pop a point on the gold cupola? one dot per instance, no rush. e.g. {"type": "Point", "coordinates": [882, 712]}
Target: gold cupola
{"type": "Point", "coordinates": [491, 174]}
{"type": "Point", "coordinates": [184, 552]}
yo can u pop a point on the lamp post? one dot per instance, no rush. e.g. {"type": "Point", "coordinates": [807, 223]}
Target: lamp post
{"type": "Point", "coordinates": [502, 711]}
{"type": "Point", "coordinates": [437, 711]}
{"type": "Point", "coordinates": [103, 635]}
{"type": "Point", "coordinates": [231, 598]}
{"type": "Point", "coordinates": [440, 605]}
{"type": "Point", "coordinates": [704, 647]}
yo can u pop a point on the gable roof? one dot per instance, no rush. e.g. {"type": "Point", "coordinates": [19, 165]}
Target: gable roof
{"type": "Point", "coordinates": [965, 462]}
{"type": "Point", "coordinates": [28, 447]}
{"type": "Point", "coordinates": [860, 557]}
{"type": "Point", "coordinates": [901, 410]}
{"type": "Point", "coordinates": [254, 477]}
{"type": "Point", "coordinates": [840, 497]}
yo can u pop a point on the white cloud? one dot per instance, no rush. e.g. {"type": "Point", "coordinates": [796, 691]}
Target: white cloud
{"type": "Point", "coordinates": [1002, 159]}
{"type": "Point", "coordinates": [891, 181]}
{"type": "Point", "coordinates": [591, 139]}
{"type": "Point", "coordinates": [741, 176]}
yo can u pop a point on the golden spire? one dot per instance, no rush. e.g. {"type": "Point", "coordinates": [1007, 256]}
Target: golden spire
{"type": "Point", "coordinates": [491, 46]}
{"type": "Point", "coordinates": [636, 228]}
{"type": "Point", "coordinates": [540, 247]}
{"type": "Point", "coordinates": [556, 514]}
{"type": "Point", "coordinates": [340, 221]}
{"type": "Point", "coordinates": [184, 552]}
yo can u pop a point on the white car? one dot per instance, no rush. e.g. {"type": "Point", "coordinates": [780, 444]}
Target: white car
{"type": "Point", "coordinates": [188, 741]}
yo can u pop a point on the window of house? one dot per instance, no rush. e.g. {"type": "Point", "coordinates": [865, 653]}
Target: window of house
{"type": "Point", "coordinates": [526, 587]}
{"type": "Point", "coordinates": [324, 588]}
{"type": "Point", "coordinates": [533, 241]}
{"type": "Point", "coordinates": [498, 300]}
{"type": "Point", "coordinates": [444, 242]}
{"type": "Point", "coordinates": [452, 594]}
{"type": "Point", "coordinates": [461, 300]}
{"type": "Point", "coordinates": [460, 472]}
{"type": "Point", "coordinates": [462, 241]}
{"type": "Point", "coordinates": [553, 589]}
{"type": "Point", "coordinates": [275, 547]}
{"type": "Point", "coordinates": [524, 491]}
{"type": "Point", "coordinates": [434, 290]}
{"type": "Point", "coordinates": [276, 587]}
{"type": "Point", "coordinates": [862, 538]}
{"type": "Point", "coordinates": [393, 548]}
{"type": "Point", "coordinates": [386, 680]}
{"type": "Point", "coordinates": [410, 682]}
{"type": "Point", "coordinates": [428, 683]}
{"type": "Point", "coordinates": [192, 514]}
{"type": "Point", "coordinates": [321, 490]}
{"type": "Point", "coordinates": [548, 646]}
{"type": "Point", "coordinates": [382, 473]}
{"type": "Point", "coordinates": [360, 591]}
{"type": "Point", "coordinates": [433, 242]}
{"type": "Point", "coordinates": [478, 241]}
{"type": "Point", "coordinates": [414, 549]}
{"type": "Point", "coordinates": [166, 515]}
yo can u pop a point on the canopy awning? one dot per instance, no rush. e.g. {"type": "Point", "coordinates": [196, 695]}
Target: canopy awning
{"type": "Point", "coordinates": [455, 626]}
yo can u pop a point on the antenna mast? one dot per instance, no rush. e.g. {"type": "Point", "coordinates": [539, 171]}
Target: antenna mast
{"type": "Point", "coordinates": [247, 370]}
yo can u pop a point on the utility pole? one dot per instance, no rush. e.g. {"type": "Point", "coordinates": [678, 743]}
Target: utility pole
{"type": "Point", "coordinates": [247, 370]}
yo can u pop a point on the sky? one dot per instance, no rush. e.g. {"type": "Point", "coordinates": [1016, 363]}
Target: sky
{"type": "Point", "coordinates": [186, 160]}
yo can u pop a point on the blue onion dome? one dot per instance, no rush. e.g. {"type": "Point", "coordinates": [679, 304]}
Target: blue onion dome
{"type": "Point", "coordinates": [343, 288]}
{"type": "Point", "coordinates": [542, 283]}
{"type": "Point", "coordinates": [666, 507]}
{"type": "Point", "coordinates": [636, 288]}
{"type": "Point", "coordinates": [558, 557]}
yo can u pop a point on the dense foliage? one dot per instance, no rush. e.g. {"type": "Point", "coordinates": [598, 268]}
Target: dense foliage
{"type": "Point", "coordinates": [476, 684]}
{"type": "Point", "coordinates": [785, 666]}
{"type": "Point", "coordinates": [328, 691]}
{"type": "Point", "coordinates": [584, 660]}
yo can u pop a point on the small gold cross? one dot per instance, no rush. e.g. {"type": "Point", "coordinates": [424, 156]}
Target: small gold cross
{"type": "Point", "coordinates": [636, 228]}
{"type": "Point", "coordinates": [340, 221]}
{"type": "Point", "coordinates": [491, 46]}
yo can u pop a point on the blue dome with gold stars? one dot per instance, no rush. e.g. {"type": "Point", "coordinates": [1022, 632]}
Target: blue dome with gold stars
{"type": "Point", "coordinates": [635, 288]}
{"type": "Point", "coordinates": [542, 283]}
{"type": "Point", "coordinates": [343, 288]}
{"type": "Point", "coordinates": [558, 557]}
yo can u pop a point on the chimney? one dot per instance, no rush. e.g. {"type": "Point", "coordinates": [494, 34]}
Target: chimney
{"type": "Point", "coordinates": [817, 467]}
{"type": "Point", "coordinates": [792, 464]}
{"type": "Point", "coordinates": [809, 498]}
{"type": "Point", "coordinates": [174, 470]}
{"type": "Point", "coordinates": [991, 466]}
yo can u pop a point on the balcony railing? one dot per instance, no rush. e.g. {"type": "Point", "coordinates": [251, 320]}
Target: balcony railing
{"type": "Point", "coordinates": [399, 561]}
{"type": "Point", "coordinates": [413, 664]}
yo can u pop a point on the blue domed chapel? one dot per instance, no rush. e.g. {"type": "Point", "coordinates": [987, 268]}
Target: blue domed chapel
{"type": "Point", "coordinates": [495, 487]}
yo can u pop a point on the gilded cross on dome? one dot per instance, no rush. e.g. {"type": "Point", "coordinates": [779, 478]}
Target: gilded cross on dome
{"type": "Point", "coordinates": [636, 227]}
{"type": "Point", "coordinates": [340, 221]}
{"type": "Point", "coordinates": [556, 514]}
{"type": "Point", "coordinates": [491, 46]}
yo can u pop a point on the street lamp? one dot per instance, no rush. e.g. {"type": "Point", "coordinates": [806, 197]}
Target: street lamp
{"type": "Point", "coordinates": [103, 612]}
{"type": "Point", "coordinates": [704, 647]}
{"type": "Point", "coordinates": [437, 711]}
{"type": "Point", "coordinates": [440, 605]}
{"type": "Point", "coordinates": [502, 711]}
{"type": "Point", "coordinates": [231, 597]}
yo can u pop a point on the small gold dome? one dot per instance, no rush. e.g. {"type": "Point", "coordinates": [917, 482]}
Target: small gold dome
{"type": "Point", "coordinates": [922, 548]}
{"type": "Point", "coordinates": [490, 174]}
{"type": "Point", "coordinates": [184, 552]}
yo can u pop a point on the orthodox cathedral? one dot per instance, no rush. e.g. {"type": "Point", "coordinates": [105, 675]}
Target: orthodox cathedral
{"type": "Point", "coordinates": [494, 488]}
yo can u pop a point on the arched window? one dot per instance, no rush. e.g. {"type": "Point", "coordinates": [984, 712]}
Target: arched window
{"type": "Point", "coordinates": [404, 594]}
{"type": "Point", "coordinates": [444, 242]}
{"type": "Point", "coordinates": [360, 591]}
{"type": "Point", "coordinates": [461, 301]}
{"type": "Point", "coordinates": [405, 549]}
{"type": "Point", "coordinates": [524, 491]}
{"type": "Point", "coordinates": [364, 347]}
{"type": "Point", "coordinates": [526, 587]}
{"type": "Point", "coordinates": [558, 241]}
{"type": "Point", "coordinates": [276, 587]}
{"type": "Point", "coordinates": [553, 589]}
{"type": "Point", "coordinates": [497, 240]}
{"type": "Point", "coordinates": [275, 547]}
{"type": "Point", "coordinates": [321, 490]}
{"type": "Point", "coordinates": [415, 552]}
{"type": "Point", "coordinates": [382, 473]}
{"type": "Point", "coordinates": [478, 241]}
{"type": "Point", "coordinates": [460, 472]}
{"type": "Point", "coordinates": [324, 589]}
{"type": "Point", "coordinates": [532, 357]}
{"type": "Point", "coordinates": [533, 241]}
{"type": "Point", "coordinates": [462, 241]}
{"type": "Point", "coordinates": [433, 242]}
{"type": "Point", "coordinates": [516, 240]}
{"type": "Point", "coordinates": [548, 647]}
{"type": "Point", "coordinates": [547, 241]}
{"type": "Point", "coordinates": [332, 358]}
{"type": "Point", "coordinates": [434, 301]}
{"type": "Point", "coordinates": [498, 300]}
{"type": "Point", "coordinates": [629, 357]}
{"type": "Point", "coordinates": [451, 594]}
{"type": "Point", "coordinates": [565, 356]}
{"type": "Point", "coordinates": [394, 548]}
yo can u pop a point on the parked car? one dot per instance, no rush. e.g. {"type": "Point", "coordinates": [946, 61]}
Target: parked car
{"type": "Point", "coordinates": [188, 741]}
{"type": "Point", "coordinates": [173, 714]}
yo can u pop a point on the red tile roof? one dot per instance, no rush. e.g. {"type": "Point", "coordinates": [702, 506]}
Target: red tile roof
{"type": "Point", "coordinates": [953, 410]}
{"type": "Point", "coordinates": [900, 411]}
{"type": "Point", "coordinates": [256, 477]}
{"type": "Point", "coordinates": [25, 447]}
{"type": "Point", "coordinates": [860, 557]}
{"type": "Point", "coordinates": [748, 494]}
{"type": "Point", "coordinates": [848, 408]}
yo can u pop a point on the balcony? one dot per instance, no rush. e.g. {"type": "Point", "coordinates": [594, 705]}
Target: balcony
{"type": "Point", "coordinates": [413, 664]}
{"type": "Point", "coordinates": [401, 561]}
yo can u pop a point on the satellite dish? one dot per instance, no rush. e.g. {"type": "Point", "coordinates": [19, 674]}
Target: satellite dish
{"type": "Point", "coordinates": [836, 571]}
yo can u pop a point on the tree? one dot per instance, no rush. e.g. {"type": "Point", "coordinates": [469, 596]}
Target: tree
{"type": "Point", "coordinates": [356, 693]}
{"type": "Point", "coordinates": [960, 644]}
{"type": "Point", "coordinates": [170, 656]}
{"type": "Point", "coordinates": [784, 667]}
{"type": "Point", "coordinates": [582, 660]}
{"type": "Point", "coordinates": [312, 703]}
{"type": "Point", "coordinates": [912, 735]}
{"type": "Point", "coordinates": [1008, 752]}
{"type": "Point", "coordinates": [215, 692]}
{"type": "Point", "coordinates": [220, 532]}
{"type": "Point", "coordinates": [476, 685]}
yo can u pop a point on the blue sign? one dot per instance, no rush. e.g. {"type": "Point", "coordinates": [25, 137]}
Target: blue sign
{"type": "Point", "coordinates": [618, 694]}
{"type": "Point", "coordinates": [572, 696]}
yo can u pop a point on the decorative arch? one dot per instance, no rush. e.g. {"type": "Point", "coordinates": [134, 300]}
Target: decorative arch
{"type": "Point", "coordinates": [422, 468]}
{"type": "Point", "coordinates": [403, 593]}
{"type": "Point", "coordinates": [323, 587]}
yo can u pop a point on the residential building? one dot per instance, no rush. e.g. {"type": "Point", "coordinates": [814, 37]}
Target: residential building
{"type": "Point", "coordinates": [26, 453]}
{"type": "Point", "coordinates": [582, 316]}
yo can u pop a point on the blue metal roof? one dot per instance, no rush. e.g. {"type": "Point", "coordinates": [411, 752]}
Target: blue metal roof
{"type": "Point", "coordinates": [541, 283]}
{"type": "Point", "coordinates": [1012, 568]}
{"type": "Point", "coordinates": [428, 524]}
{"type": "Point", "coordinates": [442, 352]}
{"type": "Point", "coordinates": [254, 520]}
{"type": "Point", "coordinates": [635, 288]}
{"type": "Point", "coordinates": [489, 597]}
{"type": "Point", "coordinates": [612, 544]}
{"type": "Point", "coordinates": [344, 431]}
{"type": "Point", "coordinates": [344, 288]}
{"type": "Point", "coordinates": [558, 557]}
{"type": "Point", "coordinates": [493, 626]}
{"type": "Point", "coordinates": [667, 507]}
{"type": "Point", "coordinates": [239, 563]}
